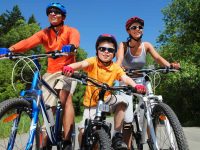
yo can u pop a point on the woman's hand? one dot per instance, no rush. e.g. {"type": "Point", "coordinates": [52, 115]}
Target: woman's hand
{"type": "Point", "coordinates": [175, 65]}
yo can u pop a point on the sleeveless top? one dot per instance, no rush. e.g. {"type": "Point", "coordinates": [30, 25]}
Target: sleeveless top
{"type": "Point", "coordinates": [134, 62]}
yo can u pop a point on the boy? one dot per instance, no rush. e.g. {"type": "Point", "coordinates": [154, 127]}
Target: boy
{"type": "Point", "coordinates": [103, 69]}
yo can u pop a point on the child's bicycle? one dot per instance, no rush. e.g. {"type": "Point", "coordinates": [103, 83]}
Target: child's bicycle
{"type": "Point", "coordinates": [97, 131]}
{"type": "Point", "coordinates": [154, 122]}
{"type": "Point", "coordinates": [21, 119]}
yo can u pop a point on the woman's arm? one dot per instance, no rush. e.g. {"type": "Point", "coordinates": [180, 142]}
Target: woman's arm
{"type": "Point", "coordinates": [159, 59]}
{"type": "Point", "coordinates": [120, 54]}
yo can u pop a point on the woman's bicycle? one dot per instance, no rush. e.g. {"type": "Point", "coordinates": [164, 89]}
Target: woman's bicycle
{"type": "Point", "coordinates": [97, 131]}
{"type": "Point", "coordinates": [21, 119]}
{"type": "Point", "coordinates": [154, 122]}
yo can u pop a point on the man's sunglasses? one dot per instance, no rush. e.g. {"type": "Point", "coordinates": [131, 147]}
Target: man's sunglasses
{"type": "Point", "coordinates": [56, 12]}
{"type": "Point", "coordinates": [103, 49]}
{"type": "Point", "coordinates": [136, 27]}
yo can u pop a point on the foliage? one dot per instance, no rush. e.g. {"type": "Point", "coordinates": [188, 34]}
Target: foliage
{"type": "Point", "coordinates": [180, 41]}
{"type": "Point", "coordinates": [8, 19]}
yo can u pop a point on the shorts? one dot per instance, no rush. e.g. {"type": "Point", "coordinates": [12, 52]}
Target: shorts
{"type": "Point", "coordinates": [128, 118]}
{"type": "Point", "coordinates": [113, 101]}
{"type": "Point", "coordinates": [57, 81]}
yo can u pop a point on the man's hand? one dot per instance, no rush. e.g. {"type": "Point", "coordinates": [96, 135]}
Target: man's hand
{"type": "Point", "coordinates": [4, 51]}
{"type": "Point", "coordinates": [140, 88]}
{"type": "Point", "coordinates": [68, 48]}
{"type": "Point", "coordinates": [68, 71]}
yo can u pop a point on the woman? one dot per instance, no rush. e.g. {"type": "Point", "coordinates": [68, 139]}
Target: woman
{"type": "Point", "coordinates": [132, 55]}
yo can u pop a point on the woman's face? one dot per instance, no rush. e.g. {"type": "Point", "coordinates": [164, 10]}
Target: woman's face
{"type": "Point", "coordinates": [55, 16]}
{"type": "Point", "coordinates": [136, 30]}
{"type": "Point", "coordinates": [104, 52]}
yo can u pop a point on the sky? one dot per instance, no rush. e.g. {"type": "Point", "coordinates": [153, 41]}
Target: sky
{"type": "Point", "coordinates": [95, 17]}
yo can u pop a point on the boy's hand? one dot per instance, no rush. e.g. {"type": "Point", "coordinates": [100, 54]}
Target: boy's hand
{"type": "Point", "coordinates": [140, 88]}
{"type": "Point", "coordinates": [68, 71]}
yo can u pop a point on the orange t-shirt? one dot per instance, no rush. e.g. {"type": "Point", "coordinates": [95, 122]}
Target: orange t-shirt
{"type": "Point", "coordinates": [103, 74]}
{"type": "Point", "coordinates": [51, 42]}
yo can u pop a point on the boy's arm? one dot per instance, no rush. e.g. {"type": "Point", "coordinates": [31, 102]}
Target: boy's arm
{"type": "Point", "coordinates": [138, 87]}
{"type": "Point", "coordinates": [128, 81]}
{"type": "Point", "coordinates": [79, 65]}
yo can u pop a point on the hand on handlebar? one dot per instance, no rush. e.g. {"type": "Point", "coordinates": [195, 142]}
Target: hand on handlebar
{"type": "Point", "coordinates": [68, 71]}
{"type": "Point", "coordinates": [4, 51]}
{"type": "Point", "coordinates": [68, 48]}
{"type": "Point", "coordinates": [141, 89]}
{"type": "Point", "coordinates": [175, 65]}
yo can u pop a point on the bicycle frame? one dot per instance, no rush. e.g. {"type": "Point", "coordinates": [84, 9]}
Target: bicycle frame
{"type": "Point", "coordinates": [34, 96]}
{"type": "Point", "coordinates": [144, 109]}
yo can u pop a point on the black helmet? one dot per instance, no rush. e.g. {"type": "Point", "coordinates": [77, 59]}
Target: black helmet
{"type": "Point", "coordinates": [106, 37]}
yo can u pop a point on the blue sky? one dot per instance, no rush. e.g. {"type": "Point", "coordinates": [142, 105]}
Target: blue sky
{"type": "Point", "coordinates": [94, 17]}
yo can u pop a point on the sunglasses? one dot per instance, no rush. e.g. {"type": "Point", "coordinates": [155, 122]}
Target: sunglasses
{"type": "Point", "coordinates": [103, 49]}
{"type": "Point", "coordinates": [136, 27]}
{"type": "Point", "coordinates": [56, 12]}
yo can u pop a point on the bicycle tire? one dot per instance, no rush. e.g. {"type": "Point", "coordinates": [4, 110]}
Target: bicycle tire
{"type": "Point", "coordinates": [162, 113]}
{"type": "Point", "coordinates": [8, 109]}
{"type": "Point", "coordinates": [100, 141]}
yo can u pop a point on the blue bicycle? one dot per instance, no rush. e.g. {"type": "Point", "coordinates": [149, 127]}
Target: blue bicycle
{"type": "Point", "coordinates": [21, 119]}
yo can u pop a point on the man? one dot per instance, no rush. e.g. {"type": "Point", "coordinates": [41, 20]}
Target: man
{"type": "Point", "coordinates": [56, 37]}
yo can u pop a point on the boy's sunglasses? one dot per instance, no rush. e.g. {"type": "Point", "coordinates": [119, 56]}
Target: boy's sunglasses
{"type": "Point", "coordinates": [56, 12]}
{"type": "Point", "coordinates": [103, 49]}
{"type": "Point", "coordinates": [136, 27]}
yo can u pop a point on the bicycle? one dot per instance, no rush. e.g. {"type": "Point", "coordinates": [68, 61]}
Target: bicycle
{"type": "Point", "coordinates": [17, 113]}
{"type": "Point", "coordinates": [154, 122]}
{"type": "Point", "coordinates": [97, 131]}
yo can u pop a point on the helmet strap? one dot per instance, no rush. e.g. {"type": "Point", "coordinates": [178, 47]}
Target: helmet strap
{"type": "Point", "coordinates": [60, 24]}
{"type": "Point", "coordinates": [130, 37]}
{"type": "Point", "coordinates": [104, 63]}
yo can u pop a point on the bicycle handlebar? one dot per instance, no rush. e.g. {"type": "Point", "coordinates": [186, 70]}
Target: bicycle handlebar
{"type": "Point", "coordinates": [130, 72]}
{"type": "Point", "coordinates": [104, 86]}
{"type": "Point", "coordinates": [53, 54]}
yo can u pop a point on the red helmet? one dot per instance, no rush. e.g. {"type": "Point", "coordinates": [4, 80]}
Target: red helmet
{"type": "Point", "coordinates": [130, 21]}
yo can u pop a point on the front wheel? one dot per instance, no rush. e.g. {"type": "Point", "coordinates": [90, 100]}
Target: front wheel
{"type": "Point", "coordinates": [99, 140]}
{"type": "Point", "coordinates": [15, 121]}
{"type": "Point", "coordinates": [168, 130]}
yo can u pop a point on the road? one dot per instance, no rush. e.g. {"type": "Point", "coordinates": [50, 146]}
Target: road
{"type": "Point", "coordinates": [192, 134]}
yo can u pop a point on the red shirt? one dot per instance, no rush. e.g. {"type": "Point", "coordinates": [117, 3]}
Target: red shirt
{"type": "Point", "coordinates": [51, 42]}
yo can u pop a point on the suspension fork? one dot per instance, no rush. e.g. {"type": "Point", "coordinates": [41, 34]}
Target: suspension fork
{"type": "Point", "coordinates": [13, 133]}
{"type": "Point", "coordinates": [151, 130]}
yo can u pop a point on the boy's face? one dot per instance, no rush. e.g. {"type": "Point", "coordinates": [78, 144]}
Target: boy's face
{"type": "Point", "coordinates": [105, 51]}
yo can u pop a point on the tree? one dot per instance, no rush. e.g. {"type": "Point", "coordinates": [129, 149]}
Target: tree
{"type": "Point", "coordinates": [8, 19]}
{"type": "Point", "coordinates": [180, 41]}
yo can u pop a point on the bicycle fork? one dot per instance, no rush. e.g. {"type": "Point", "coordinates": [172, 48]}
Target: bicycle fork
{"type": "Point", "coordinates": [153, 144]}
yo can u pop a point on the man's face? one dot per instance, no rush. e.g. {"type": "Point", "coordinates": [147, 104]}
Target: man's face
{"type": "Point", "coordinates": [105, 51]}
{"type": "Point", "coordinates": [55, 16]}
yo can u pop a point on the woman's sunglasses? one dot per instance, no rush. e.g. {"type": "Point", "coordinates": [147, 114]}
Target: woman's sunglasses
{"type": "Point", "coordinates": [103, 49]}
{"type": "Point", "coordinates": [136, 27]}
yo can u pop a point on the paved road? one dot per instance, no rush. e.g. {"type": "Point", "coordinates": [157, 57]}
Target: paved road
{"type": "Point", "coordinates": [192, 135]}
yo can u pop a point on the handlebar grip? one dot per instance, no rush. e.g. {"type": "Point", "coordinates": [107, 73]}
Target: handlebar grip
{"type": "Point", "coordinates": [79, 76]}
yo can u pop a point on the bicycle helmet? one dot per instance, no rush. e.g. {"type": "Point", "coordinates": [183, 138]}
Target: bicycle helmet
{"type": "Point", "coordinates": [108, 38]}
{"type": "Point", "coordinates": [130, 21]}
{"type": "Point", "coordinates": [58, 6]}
